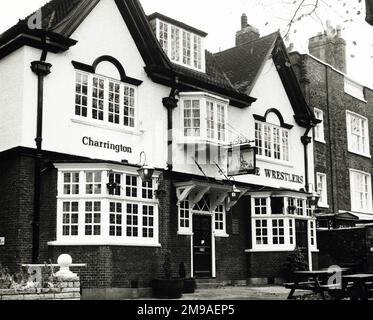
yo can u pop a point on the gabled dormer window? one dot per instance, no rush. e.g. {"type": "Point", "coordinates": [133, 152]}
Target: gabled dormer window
{"type": "Point", "coordinates": [184, 45]}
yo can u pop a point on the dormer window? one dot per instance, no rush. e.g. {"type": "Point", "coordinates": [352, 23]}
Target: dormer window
{"type": "Point", "coordinates": [183, 44]}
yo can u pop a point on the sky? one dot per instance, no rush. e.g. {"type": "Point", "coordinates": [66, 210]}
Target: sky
{"type": "Point", "coordinates": [221, 19]}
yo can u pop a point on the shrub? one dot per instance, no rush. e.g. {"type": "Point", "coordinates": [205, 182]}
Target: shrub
{"type": "Point", "coordinates": [295, 261]}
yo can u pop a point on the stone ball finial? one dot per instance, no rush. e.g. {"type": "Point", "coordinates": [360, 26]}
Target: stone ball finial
{"type": "Point", "coordinates": [64, 261]}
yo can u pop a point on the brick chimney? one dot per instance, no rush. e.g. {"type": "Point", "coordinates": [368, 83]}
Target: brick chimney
{"type": "Point", "coordinates": [247, 33]}
{"type": "Point", "coordinates": [329, 47]}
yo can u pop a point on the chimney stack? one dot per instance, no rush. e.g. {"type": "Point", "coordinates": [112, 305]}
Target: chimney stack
{"type": "Point", "coordinates": [330, 47]}
{"type": "Point", "coordinates": [247, 33]}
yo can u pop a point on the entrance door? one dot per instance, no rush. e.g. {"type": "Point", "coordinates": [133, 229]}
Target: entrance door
{"type": "Point", "coordinates": [301, 233]}
{"type": "Point", "coordinates": [202, 250]}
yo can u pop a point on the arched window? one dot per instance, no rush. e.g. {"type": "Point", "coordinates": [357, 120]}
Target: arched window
{"type": "Point", "coordinates": [104, 93]}
{"type": "Point", "coordinates": [272, 136]}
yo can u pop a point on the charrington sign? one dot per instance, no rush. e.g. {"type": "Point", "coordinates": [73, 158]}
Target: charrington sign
{"type": "Point", "coordinates": [88, 141]}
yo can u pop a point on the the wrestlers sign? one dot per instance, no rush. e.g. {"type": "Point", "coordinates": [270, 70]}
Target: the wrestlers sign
{"type": "Point", "coordinates": [241, 160]}
{"type": "Point", "coordinates": [88, 141]}
{"type": "Point", "coordinates": [282, 176]}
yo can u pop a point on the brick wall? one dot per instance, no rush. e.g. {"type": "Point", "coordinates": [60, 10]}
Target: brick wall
{"type": "Point", "coordinates": [16, 207]}
{"type": "Point", "coordinates": [231, 260]}
{"type": "Point", "coordinates": [324, 89]}
{"type": "Point", "coordinates": [354, 248]}
{"type": "Point", "coordinates": [64, 290]}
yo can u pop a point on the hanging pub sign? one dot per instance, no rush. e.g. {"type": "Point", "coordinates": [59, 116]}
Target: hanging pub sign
{"type": "Point", "coordinates": [241, 160]}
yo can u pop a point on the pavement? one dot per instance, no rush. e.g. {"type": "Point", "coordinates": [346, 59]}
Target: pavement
{"type": "Point", "coordinates": [240, 293]}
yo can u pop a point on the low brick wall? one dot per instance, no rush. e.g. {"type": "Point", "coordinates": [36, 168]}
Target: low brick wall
{"type": "Point", "coordinates": [65, 290]}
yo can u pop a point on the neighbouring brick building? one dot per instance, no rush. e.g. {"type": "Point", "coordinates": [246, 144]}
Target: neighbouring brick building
{"type": "Point", "coordinates": [111, 91]}
{"type": "Point", "coordinates": [343, 141]}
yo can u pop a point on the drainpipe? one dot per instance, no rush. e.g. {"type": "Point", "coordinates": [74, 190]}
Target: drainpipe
{"type": "Point", "coordinates": [306, 140]}
{"type": "Point", "coordinates": [41, 69]}
{"type": "Point", "coordinates": [334, 197]}
{"type": "Point", "coordinates": [170, 103]}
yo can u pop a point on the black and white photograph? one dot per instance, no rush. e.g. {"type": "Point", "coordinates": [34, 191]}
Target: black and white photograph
{"type": "Point", "coordinates": [158, 151]}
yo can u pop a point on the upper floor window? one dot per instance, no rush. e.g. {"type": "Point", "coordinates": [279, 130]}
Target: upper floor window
{"type": "Point", "coordinates": [204, 117]}
{"type": "Point", "coordinates": [358, 134]}
{"type": "Point", "coordinates": [181, 46]}
{"type": "Point", "coordinates": [105, 100]}
{"type": "Point", "coordinates": [272, 141]}
{"type": "Point", "coordinates": [319, 129]}
{"type": "Point", "coordinates": [322, 189]}
{"type": "Point", "coordinates": [361, 191]}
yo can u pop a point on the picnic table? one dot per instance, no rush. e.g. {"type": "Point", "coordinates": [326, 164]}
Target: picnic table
{"type": "Point", "coordinates": [316, 282]}
{"type": "Point", "coordinates": [357, 286]}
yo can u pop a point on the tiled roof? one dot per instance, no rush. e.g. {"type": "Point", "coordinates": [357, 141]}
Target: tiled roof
{"type": "Point", "coordinates": [242, 64]}
{"type": "Point", "coordinates": [214, 74]}
{"type": "Point", "coordinates": [55, 11]}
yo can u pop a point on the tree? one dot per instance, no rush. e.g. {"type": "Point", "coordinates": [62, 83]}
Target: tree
{"type": "Point", "coordinates": [292, 12]}
{"type": "Point", "coordinates": [369, 11]}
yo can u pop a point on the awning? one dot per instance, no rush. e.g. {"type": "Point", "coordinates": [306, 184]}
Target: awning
{"type": "Point", "coordinates": [194, 191]}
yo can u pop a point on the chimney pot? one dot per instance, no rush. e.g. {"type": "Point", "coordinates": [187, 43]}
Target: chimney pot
{"type": "Point", "coordinates": [243, 21]}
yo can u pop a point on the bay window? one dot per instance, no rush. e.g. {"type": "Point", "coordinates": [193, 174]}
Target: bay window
{"type": "Point", "coordinates": [272, 141]}
{"type": "Point", "coordinates": [105, 207]}
{"type": "Point", "coordinates": [361, 191]}
{"type": "Point", "coordinates": [273, 220]}
{"type": "Point", "coordinates": [357, 134]}
{"type": "Point", "coordinates": [104, 100]}
{"type": "Point", "coordinates": [204, 116]}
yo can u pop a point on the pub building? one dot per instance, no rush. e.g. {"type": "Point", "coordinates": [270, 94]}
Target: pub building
{"type": "Point", "coordinates": [122, 139]}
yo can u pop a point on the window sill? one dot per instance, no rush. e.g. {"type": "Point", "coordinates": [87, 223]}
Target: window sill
{"type": "Point", "coordinates": [221, 235]}
{"type": "Point", "coordinates": [99, 243]}
{"type": "Point", "coordinates": [274, 161]}
{"type": "Point", "coordinates": [271, 249]}
{"type": "Point", "coordinates": [367, 211]}
{"type": "Point", "coordinates": [103, 125]}
{"type": "Point", "coordinates": [185, 233]}
{"type": "Point", "coordinates": [320, 141]}
{"type": "Point", "coordinates": [323, 206]}
{"type": "Point", "coordinates": [365, 155]}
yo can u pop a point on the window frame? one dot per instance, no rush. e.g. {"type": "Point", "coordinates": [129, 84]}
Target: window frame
{"type": "Point", "coordinates": [323, 202]}
{"type": "Point", "coordinates": [193, 37]}
{"type": "Point", "coordinates": [106, 103]}
{"type": "Point", "coordinates": [105, 199]}
{"type": "Point", "coordinates": [205, 100]}
{"type": "Point", "coordinates": [266, 146]}
{"type": "Point", "coordinates": [288, 219]}
{"type": "Point", "coordinates": [319, 130]}
{"type": "Point", "coordinates": [366, 139]}
{"type": "Point", "coordinates": [354, 206]}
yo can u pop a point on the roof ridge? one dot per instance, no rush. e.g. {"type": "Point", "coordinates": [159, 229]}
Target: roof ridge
{"type": "Point", "coordinates": [246, 43]}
